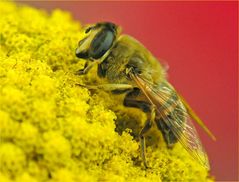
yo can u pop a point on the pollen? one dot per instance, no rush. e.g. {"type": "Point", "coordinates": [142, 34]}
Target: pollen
{"type": "Point", "coordinates": [53, 130]}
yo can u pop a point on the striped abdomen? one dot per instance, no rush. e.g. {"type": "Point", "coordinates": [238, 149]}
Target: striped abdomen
{"type": "Point", "coordinates": [169, 107]}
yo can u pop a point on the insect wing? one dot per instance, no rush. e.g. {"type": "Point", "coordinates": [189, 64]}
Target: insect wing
{"type": "Point", "coordinates": [187, 136]}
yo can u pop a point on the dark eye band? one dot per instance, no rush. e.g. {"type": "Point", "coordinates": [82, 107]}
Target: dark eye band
{"type": "Point", "coordinates": [101, 43]}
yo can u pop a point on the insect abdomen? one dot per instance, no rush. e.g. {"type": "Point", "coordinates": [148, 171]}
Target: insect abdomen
{"type": "Point", "coordinates": [172, 110]}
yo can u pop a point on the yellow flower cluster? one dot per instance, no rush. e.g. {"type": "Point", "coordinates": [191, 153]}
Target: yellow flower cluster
{"type": "Point", "coordinates": [53, 130]}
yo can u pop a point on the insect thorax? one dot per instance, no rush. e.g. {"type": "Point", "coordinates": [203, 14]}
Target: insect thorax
{"type": "Point", "coordinates": [114, 65]}
{"type": "Point", "coordinates": [128, 53]}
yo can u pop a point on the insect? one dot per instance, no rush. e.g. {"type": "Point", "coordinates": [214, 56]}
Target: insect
{"type": "Point", "coordinates": [129, 68]}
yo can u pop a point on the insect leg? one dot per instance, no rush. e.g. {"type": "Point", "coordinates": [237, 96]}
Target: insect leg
{"type": "Point", "coordinates": [86, 68]}
{"type": "Point", "coordinates": [108, 87]}
{"type": "Point", "coordinates": [144, 130]}
{"type": "Point", "coordinates": [132, 100]}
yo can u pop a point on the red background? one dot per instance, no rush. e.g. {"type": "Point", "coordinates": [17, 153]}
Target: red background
{"type": "Point", "coordinates": [198, 40]}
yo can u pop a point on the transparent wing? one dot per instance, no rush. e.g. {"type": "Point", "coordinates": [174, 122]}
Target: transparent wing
{"type": "Point", "coordinates": [180, 118]}
{"type": "Point", "coordinates": [188, 137]}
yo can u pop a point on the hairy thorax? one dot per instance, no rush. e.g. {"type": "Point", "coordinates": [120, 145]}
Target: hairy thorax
{"type": "Point", "coordinates": [123, 56]}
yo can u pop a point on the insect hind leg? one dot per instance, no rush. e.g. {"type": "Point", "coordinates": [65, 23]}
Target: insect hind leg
{"type": "Point", "coordinates": [132, 100]}
{"type": "Point", "coordinates": [145, 129]}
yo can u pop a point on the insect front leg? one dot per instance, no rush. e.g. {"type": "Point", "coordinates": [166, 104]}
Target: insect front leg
{"type": "Point", "coordinates": [86, 69]}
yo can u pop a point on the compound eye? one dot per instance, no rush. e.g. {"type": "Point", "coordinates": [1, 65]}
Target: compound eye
{"type": "Point", "coordinates": [101, 43]}
{"type": "Point", "coordinates": [81, 53]}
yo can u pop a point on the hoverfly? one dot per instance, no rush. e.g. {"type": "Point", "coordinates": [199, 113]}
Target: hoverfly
{"type": "Point", "coordinates": [128, 67]}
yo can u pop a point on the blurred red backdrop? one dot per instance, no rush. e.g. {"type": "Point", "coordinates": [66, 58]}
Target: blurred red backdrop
{"type": "Point", "coordinates": [198, 40]}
